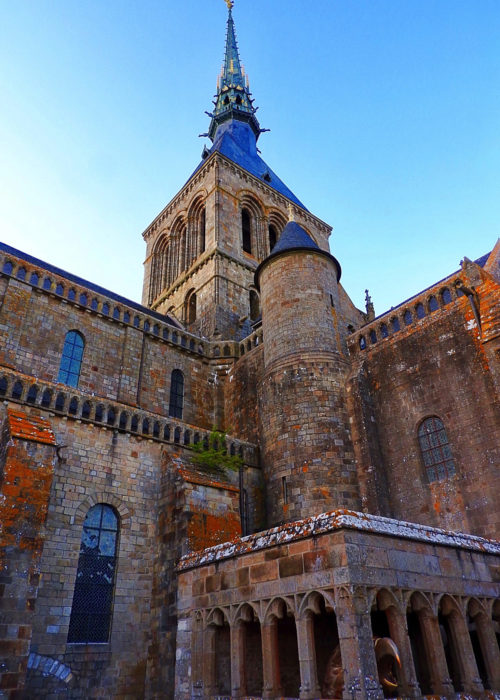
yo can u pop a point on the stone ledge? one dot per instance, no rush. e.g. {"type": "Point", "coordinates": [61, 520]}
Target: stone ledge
{"type": "Point", "coordinates": [329, 522]}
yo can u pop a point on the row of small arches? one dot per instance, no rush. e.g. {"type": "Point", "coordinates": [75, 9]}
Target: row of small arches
{"type": "Point", "coordinates": [419, 311]}
{"type": "Point", "coordinates": [104, 308]}
{"type": "Point", "coordinates": [107, 415]}
{"type": "Point", "coordinates": [251, 342]}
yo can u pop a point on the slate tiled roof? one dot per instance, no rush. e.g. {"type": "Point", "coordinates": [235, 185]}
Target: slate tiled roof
{"type": "Point", "coordinates": [85, 283]}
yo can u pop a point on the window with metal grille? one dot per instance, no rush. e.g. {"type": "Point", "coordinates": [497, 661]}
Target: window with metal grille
{"type": "Point", "coordinates": [436, 452]}
{"type": "Point", "coordinates": [93, 596]}
{"type": "Point", "coordinates": [71, 358]}
{"type": "Point", "coordinates": [176, 394]}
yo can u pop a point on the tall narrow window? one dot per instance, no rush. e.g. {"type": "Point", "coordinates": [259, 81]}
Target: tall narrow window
{"type": "Point", "coordinates": [203, 225]}
{"type": "Point", "coordinates": [71, 359]}
{"type": "Point", "coordinates": [273, 236]}
{"type": "Point", "coordinates": [254, 305]}
{"type": "Point", "coordinates": [93, 596]}
{"type": "Point", "coordinates": [190, 308]}
{"type": "Point", "coordinates": [176, 394]}
{"type": "Point", "coordinates": [435, 448]}
{"type": "Point", "coordinates": [246, 230]}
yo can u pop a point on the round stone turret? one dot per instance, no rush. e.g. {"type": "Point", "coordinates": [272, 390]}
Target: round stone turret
{"type": "Point", "coordinates": [306, 444]}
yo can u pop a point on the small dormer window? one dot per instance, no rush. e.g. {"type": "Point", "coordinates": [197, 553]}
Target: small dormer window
{"type": "Point", "coordinates": [226, 100]}
{"type": "Point", "coordinates": [238, 99]}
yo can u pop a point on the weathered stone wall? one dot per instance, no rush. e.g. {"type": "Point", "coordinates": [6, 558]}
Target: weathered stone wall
{"type": "Point", "coordinates": [27, 461]}
{"type": "Point", "coordinates": [438, 366]}
{"type": "Point", "coordinates": [306, 445]}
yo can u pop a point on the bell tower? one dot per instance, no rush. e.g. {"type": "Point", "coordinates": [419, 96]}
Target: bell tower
{"type": "Point", "coordinates": [204, 247]}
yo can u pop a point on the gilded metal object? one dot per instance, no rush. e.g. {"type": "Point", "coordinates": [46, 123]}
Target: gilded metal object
{"type": "Point", "coordinates": [229, 3]}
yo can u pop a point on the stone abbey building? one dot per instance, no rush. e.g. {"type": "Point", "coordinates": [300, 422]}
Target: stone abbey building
{"type": "Point", "coordinates": [351, 555]}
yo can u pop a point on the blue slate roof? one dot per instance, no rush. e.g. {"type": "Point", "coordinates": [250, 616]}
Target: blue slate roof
{"type": "Point", "coordinates": [85, 283]}
{"type": "Point", "coordinates": [235, 140]}
{"type": "Point", "coordinates": [294, 236]}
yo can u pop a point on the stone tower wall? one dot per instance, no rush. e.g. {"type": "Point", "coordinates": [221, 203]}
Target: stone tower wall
{"type": "Point", "coordinates": [306, 445]}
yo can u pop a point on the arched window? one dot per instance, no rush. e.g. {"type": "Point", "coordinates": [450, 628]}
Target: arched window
{"type": "Point", "coordinates": [71, 359]}
{"type": "Point", "coordinates": [408, 318]}
{"type": "Point", "coordinates": [420, 311]}
{"type": "Point", "coordinates": [446, 296]}
{"type": "Point", "coordinates": [435, 449]}
{"type": "Point", "coordinates": [433, 304]}
{"type": "Point", "coordinates": [95, 577]}
{"type": "Point", "coordinates": [246, 230]}
{"type": "Point", "coordinates": [176, 394]}
{"type": "Point", "coordinates": [254, 305]}
{"type": "Point", "coordinates": [273, 236]}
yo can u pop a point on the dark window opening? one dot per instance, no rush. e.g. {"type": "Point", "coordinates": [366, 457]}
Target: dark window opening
{"type": "Point", "coordinates": [46, 398]}
{"type": "Point", "coordinates": [384, 332]}
{"type": "Point", "coordinates": [433, 304]}
{"type": "Point", "coordinates": [246, 230]}
{"type": "Point", "coordinates": [34, 279]}
{"type": "Point", "coordinates": [408, 319]}
{"type": "Point", "coordinates": [21, 274]}
{"type": "Point", "coordinates": [446, 296]}
{"type": "Point", "coordinates": [284, 488]}
{"type": "Point", "coordinates": [73, 406]}
{"type": "Point", "coordinates": [362, 343]}
{"type": "Point", "coordinates": [273, 236]}
{"type": "Point", "coordinates": [373, 337]}
{"type": "Point", "coordinates": [191, 308]}
{"type": "Point", "coordinates": [32, 394]}
{"type": "Point", "coordinates": [254, 305]}
{"type": "Point", "coordinates": [436, 452]}
{"type": "Point", "coordinates": [176, 403]}
{"type": "Point", "coordinates": [99, 413]}
{"type": "Point", "coordinates": [59, 405]}
{"type": "Point", "coordinates": [105, 309]}
{"type": "Point", "coordinates": [86, 410]}
{"type": "Point", "coordinates": [17, 390]}
{"type": "Point", "coordinates": [420, 311]}
{"type": "Point", "coordinates": [47, 283]}
{"type": "Point", "coordinates": [90, 619]}
{"type": "Point", "coordinates": [203, 224]}
{"type": "Point", "coordinates": [72, 295]}
{"type": "Point", "coordinates": [7, 267]}
{"type": "Point", "coordinates": [94, 304]}
{"type": "Point", "coordinates": [60, 290]}
{"type": "Point", "coordinates": [395, 325]}
{"type": "Point", "coordinates": [3, 386]}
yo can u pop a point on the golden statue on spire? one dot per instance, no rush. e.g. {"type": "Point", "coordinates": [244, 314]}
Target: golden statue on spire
{"type": "Point", "coordinates": [229, 3]}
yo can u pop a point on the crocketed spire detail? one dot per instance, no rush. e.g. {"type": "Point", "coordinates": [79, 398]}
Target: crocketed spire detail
{"type": "Point", "coordinates": [233, 99]}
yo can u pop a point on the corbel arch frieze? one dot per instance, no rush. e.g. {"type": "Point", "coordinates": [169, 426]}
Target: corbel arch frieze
{"type": "Point", "coordinates": [449, 604]}
{"type": "Point", "coordinates": [217, 616]}
{"type": "Point", "coordinates": [278, 608]}
{"type": "Point", "coordinates": [310, 603]}
{"type": "Point", "coordinates": [387, 598]}
{"type": "Point", "coordinates": [419, 601]}
{"type": "Point", "coordinates": [244, 612]}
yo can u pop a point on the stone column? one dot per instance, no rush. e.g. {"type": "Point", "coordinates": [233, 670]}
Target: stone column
{"type": "Point", "coordinates": [209, 667]}
{"type": "Point", "coordinates": [270, 661]}
{"type": "Point", "coordinates": [489, 649]}
{"type": "Point", "coordinates": [309, 686]}
{"type": "Point", "coordinates": [238, 669]}
{"type": "Point", "coordinates": [434, 652]}
{"type": "Point", "coordinates": [356, 647]}
{"type": "Point", "coordinates": [407, 677]}
{"type": "Point", "coordinates": [465, 654]}
{"type": "Point", "coordinates": [197, 656]}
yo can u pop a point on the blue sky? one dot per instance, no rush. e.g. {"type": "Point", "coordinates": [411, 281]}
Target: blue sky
{"type": "Point", "coordinates": [384, 118]}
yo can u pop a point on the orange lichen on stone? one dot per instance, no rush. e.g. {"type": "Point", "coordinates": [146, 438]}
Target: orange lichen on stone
{"type": "Point", "coordinates": [206, 529]}
{"type": "Point", "coordinates": [27, 427]}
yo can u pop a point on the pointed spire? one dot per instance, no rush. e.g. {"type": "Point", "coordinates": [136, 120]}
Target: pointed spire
{"type": "Point", "coordinates": [233, 99]}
